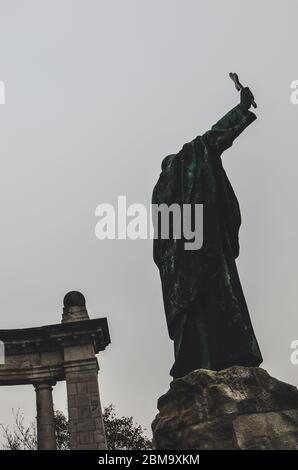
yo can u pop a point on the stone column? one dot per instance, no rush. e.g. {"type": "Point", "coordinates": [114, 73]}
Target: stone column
{"type": "Point", "coordinates": [46, 438]}
{"type": "Point", "coordinates": [81, 369]}
{"type": "Point", "coordinates": [84, 409]}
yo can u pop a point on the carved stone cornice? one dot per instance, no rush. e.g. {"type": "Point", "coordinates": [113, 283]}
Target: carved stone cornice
{"type": "Point", "coordinates": [36, 354]}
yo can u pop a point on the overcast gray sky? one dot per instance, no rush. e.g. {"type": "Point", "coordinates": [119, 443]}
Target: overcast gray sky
{"type": "Point", "coordinates": [97, 93]}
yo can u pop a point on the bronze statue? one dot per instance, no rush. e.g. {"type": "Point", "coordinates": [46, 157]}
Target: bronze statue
{"type": "Point", "coordinates": [205, 308]}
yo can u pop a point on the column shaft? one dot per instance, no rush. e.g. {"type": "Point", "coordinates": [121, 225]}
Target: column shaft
{"type": "Point", "coordinates": [46, 438]}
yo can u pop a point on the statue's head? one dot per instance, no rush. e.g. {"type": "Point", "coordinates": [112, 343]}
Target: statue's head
{"type": "Point", "coordinates": [167, 161]}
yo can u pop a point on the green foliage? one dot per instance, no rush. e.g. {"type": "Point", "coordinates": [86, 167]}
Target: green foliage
{"type": "Point", "coordinates": [62, 433]}
{"type": "Point", "coordinates": [121, 433]}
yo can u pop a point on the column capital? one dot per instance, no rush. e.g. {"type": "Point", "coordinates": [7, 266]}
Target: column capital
{"type": "Point", "coordinates": [44, 385]}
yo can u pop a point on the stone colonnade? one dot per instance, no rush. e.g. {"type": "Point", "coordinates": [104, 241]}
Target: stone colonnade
{"type": "Point", "coordinates": [67, 351]}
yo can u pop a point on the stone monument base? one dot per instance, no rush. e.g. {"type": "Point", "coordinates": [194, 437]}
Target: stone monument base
{"type": "Point", "coordinates": [236, 408]}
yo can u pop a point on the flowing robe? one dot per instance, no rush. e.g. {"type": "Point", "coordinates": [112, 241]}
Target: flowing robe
{"type": "Point", "coordinates": [206, 312]}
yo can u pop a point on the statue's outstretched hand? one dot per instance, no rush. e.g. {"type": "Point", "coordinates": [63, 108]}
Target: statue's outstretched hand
{"type": "Point", "coordinates": [246, 98]}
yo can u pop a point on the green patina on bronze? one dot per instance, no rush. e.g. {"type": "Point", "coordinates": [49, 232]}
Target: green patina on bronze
{"type": "Point", "coordinates": [206, 311]}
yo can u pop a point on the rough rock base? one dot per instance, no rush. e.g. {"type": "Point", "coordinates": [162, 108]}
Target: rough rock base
{"type": "Point", "coordinates": [237, 408]}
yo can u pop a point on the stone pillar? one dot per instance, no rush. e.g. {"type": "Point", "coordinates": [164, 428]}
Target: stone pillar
{"type": "Point", "coordinates": [46, 438]}
{"type": "Point", "coordinates": [84, 409]}
{"type": "Point", "coordinates": [80, 369]}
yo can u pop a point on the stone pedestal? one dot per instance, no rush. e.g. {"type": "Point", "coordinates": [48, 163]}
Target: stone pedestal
{"type": "Point", "coordinates": [237, 408]}
{"type": "Point", "coordinates": [46, 439]}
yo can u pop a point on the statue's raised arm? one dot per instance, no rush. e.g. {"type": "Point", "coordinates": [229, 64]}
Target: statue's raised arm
{"type": "Point", "coordinates": [222, 134]}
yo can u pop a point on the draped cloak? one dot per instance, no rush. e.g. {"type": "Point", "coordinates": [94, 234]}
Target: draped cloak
{"type": "Point", "coordinates": [206, 312]}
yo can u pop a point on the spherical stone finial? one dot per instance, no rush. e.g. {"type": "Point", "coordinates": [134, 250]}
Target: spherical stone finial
{"type": "Point", "coordinates": [74, 299]}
